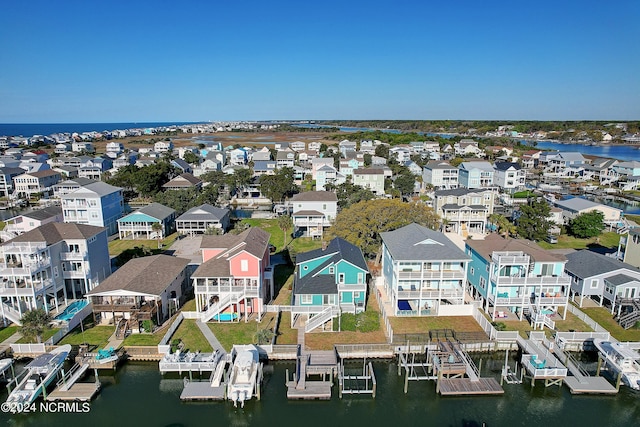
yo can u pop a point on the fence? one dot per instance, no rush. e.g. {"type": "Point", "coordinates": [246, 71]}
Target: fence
{"type": "Point", "coordinates": [388, 330]}
{"type": "Point", "coordinates": [28, 348]}
{"type": "Point", "coordinates": [164, 345]}
{"type": "Point", "coordinates": [586, 319]}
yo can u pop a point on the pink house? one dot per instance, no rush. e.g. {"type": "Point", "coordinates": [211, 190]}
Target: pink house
{"type": "Point", "coordinates": [235, 278]}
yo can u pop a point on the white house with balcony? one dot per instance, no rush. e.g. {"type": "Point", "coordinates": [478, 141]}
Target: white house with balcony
{"type": "Point", "coordinates": [509, 176]}
{"type": "Point", "coordinates": [465, 210]}
{"type": "Point", "coordinates": [440, 174]}
{"type": "Point", "coordinates": [517, 278]}
{"type": "Point", "coordinates": [98, 204]}
{"type": "Point", "coordinates": [50, 265]}
{"type": "Point", "coordinates": [313, 212]}
{"type": "Point", "coordinates": [424, 272]}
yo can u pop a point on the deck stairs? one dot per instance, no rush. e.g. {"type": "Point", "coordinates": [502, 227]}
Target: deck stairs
{"type": "Point", "coordinates": [218, 374]}
{"type": "Point", "coordinates": [223, 303]}
{"type": "Point", "coordinates": [11, 314]}
{"type": "Point", "coordinates": [628, 320]}
{"type": "Point", "coordinates": [321, 318]}
{"type": "Point", "coordinates": [74, 374]}
{"type": "Point", "coordinates": [122, 328]}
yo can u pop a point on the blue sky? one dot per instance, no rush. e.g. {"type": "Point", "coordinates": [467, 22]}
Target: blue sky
{"type": "Point", "coordinates": [115, 60]}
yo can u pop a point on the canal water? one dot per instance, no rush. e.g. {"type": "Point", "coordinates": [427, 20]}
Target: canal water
{"type": "Point", "coordinates": [620, 152]}
{"type": "Point", "coordinates": [137, 395]}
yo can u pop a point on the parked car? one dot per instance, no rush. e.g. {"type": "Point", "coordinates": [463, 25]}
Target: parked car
{"type": "Point", "coordinates": [551, 239]}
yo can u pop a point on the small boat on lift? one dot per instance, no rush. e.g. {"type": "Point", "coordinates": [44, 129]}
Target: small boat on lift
{"type": "Point", "coordinates": [39, 373]}
{"type": "Point", "coordinates": [244, 373]}
{"type": "Point", "coordinates": [622, 360]}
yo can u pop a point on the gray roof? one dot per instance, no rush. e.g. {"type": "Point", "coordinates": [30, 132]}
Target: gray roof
{"type": "Point", "coordinates": [45, 213]}
{"type": "Point", "coordinates": [315, 196]}
{"type": "Point", "coordinates": [620, 279]}
{"type": "Point", "coordinates": [149, 275]}
{"type": "Point", "coordinates": [571, 156]}
{"type": "Point", "coordinates": [577, 204]}
{"type": "Point", "coordinates": [415, 242]}
{"type": "Point", "coordinates": [55, 232]}
{"type": "Point", "coordinates": [586, 264]}
{"type": "Point", "coordinates": [81, 182]}
{"type": "Point", "coordinates": [438, 164]}
{"type": "Point", "coordinates": [11, 171]}
{"type": "Point", "coordinates": [460, 191]}
{"type": "Point", "coordinates": [99, 188]}
{"type": "Point", "coordinates": [503, 166]}
{"type": "Point", "coordinates": [200, 213]}
{"type": "Point", "coordinates": [157, 210]}
{"type": "Point", "coordinates": [494, 243]}
{"type": "Point", "coordinates": [476, 165]}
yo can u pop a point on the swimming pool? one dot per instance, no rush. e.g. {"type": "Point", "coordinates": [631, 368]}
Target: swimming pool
{"type": "Point", "coordinates": [72, 309]}
{"type": "Point", "coordinates": [226, 317]}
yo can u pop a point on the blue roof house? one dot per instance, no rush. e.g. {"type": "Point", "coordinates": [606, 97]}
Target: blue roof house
{"type": "Point", "coordinates": [328, 281]}
{"type": "Point", "coordinates": [140, 224]}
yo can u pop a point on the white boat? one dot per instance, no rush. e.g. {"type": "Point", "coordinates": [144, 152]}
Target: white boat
{"type": "Point", "coordinates": [38, 375]}
{"type": "Point", "coordinates": [621, 359]}
{"type": "Point", "coordinates": [242, 381]}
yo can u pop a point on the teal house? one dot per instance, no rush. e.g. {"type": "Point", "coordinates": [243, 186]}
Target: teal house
{"type": "Point", "coordinates": [330, 280]}
{"type": "Point", "coordinates": [140, 224]}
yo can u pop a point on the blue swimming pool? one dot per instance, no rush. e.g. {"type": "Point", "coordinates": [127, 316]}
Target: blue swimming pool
{"type": "Point", "coordinates": [72, 309]}
{"type": "Point", "coordinates": [225, 317]}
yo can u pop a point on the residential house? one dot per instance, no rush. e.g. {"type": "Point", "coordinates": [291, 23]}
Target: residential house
{"type": "Point", "coordinates": [519, 277]}
{"type": "Point", "coordinates": [313, 212]}
{"type": "Point", "coordinates": [632, 247]}
{"type": "Point", "coordinates": [235, 278]}
{"type": "Point", "coordinates": [370, 178]}
{"type": "Point", "coordinates": [475, 174]}
{"type": "Point", "coordinates": [67, 172]}
{"type": "Point", "coordinates": [565, 163]}
{"type": "Point", "coordinates": [330, 280]}
{"type": "Point", "coordinates": [423, 272]}
{"type": "Point", "coordinates": [62, 148]}
{"type": "Point", "coordinates": [401, 153]}
{"type": "Point", "coordinates": [347, 148]}
{"type": "Point", "coordinates": [601, 170]}
{"type": "Point", "coordinates": [264, 154]}
{"type": "Point", "coordinates": [29, 184]}
{"type": "Point", "coordinates": [264, 167]}
{"type": "Point", "coordinates": [575, 206]}
{"type": "Point", "coordinates": [497, 150]}
{"type": "Point", "coordinates": [203, 219]}
{"type": "Point", "coordinates": [305, 157]}
{"type": "Point", "coordinates": [610, 281]}
{"type": "Point", "coordinates": [183, 181]}
{"type": "Point", "coordinates": [163, 147]}
{"type": "Point", "coordinates": [140, 224]}
{"type": "Point", "coordinates": [27, 221]}
{"type": "Point", "coordinates": [440, 174]}
{"type": "Point", "coordinates": [298, 146]}
{"type": "Point", "coordinates": [37, 156]}
{"type": "Point", "coordinates": [629, 168]}
{"type": "Point", "coordinates": [530, 159]}
{"type": "Point", "coordinates": [414, 168]}
{"type": "Point", "coordinates": [93, 168]}
{"type": "Point", "coordinates": [328, 175]}
{"type": "Point", "coordinates": [70, 185]}
{"type": "Point", "coordinates": [49, 265]}
{"type": "Point", "coordinates": [182, 166]}
{"type": "Point", "coordinates": [82, 146]}
{"type": "Point", "coordinates": [285, 159]}
{"type": "Point", "coordinates": [145, 289]}
{"type": "Point", "coordinates": [347, 166]}
{"type": "Point", "coordinates": [98, 204]}
{"type": "Point", "coordinates": [378, 161]}
{"type": "Point", "coordinates": [466, 148]}
{"type": "Point", "coordinates": [114, 149]}
{"type": "Point", "coordinates": [238, 157]}
{"type": "Point", "coordinates": [465, 210]}
{"type": "Point", "coordinates": [314, 146]}
{"type": "Point", "coordinates": [509, 176]}
{"type": "Point", "coordinates": [6, 180]}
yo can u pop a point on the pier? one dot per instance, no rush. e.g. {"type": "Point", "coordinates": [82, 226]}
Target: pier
{"type": "Point", "coordinates": [320, 363]}
{"type": "Point", "coordinates": [213, 389]}
{"type": "Point", "coordinates": [68, 388]}
{"type": "Point", "coordinates": [539, 361]}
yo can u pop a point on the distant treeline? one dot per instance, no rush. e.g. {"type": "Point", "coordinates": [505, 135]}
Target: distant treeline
{"type": "Point", "coordinates": [461, 126]}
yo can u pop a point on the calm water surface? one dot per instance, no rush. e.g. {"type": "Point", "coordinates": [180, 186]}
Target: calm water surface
{"type": "Point", "coordinates": [137, 395]}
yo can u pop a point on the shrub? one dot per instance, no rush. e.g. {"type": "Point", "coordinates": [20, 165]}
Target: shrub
{"type": "Point", "coordinates": [500, 326]}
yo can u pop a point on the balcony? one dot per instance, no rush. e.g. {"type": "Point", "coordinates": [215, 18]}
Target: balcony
{"type": "Point", "coordinates": [248, 291]}
{"type": "Point", "coordinates": [302, 222]}
{"type": "Point", "coordinates": [429, 294]}
{"type": "Point", "coordinates": [560, 280]}
{"type": "Point", "coordinates": [510, 258]}
{"type": "Point", "coordinates": [75, 274]}
{"type": "Point", "coordinates": [26, 268]}
{"type": "Point", "coordinates": [457, 274]}
{"type": "Point", "coordinates": [73, 256]}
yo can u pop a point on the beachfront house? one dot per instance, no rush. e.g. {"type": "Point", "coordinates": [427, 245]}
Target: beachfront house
{"type": "Point", "coordinates": [607, 280]}
{"type": "Point", "coordinates": [465, 210]}
{"type": "Point", "coordinates": [330, 280]}
{"type": "Point", "coordinates": [47, 266]}
{"type": "Point", "coordinates": [204, 219]}
{"type": "Point", "coordinates": [146, 291]}
{"type": "Point", "coordinates": [235, 278]}
{"type": "Point", "coordinates": [517, 278]}
{"type": "Point", "coordinates": [475, 174]}
{"type": "Point", "coordinates": [98, 204]}
{"type": "Point", "coordinates": [423, 272]}
{"type": "Point", "coordinates": [141, 223]}
{"type": "Point", "coordinates": [313, 212]}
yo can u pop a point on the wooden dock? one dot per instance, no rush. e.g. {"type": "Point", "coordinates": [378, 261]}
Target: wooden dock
{"type": "Point", "coordinates": [320, 363]}
{"type": "Point", "coordinates": [313, 390]}
{"type": "Point", "coordinates": [83, 392]}
{"type": "Point", "coordinates": [202, 390]}
{"type": "Point", "coordinates": [465, 386]}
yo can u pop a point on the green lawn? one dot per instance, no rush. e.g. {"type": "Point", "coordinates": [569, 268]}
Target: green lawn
{"type": "Point", "coordinates": [285, 334]}
{"type": "Point", "coordinates": [7, 332]}
{"type": "Point", "coordinates": [230, 333]}
{"type": "Point", "coordinates": [283, 280]}
{"type": "Point", "coordinates": [143, 339]}
{"type": "Point", "coordinates": [47, 334]}
{"type": "Point", "coordinates": [192, 337]}
{"type": "Point", "coordinates": [271, 227]}
{"type": "Point", "coordinates": [2, 225]}
{"type": "Point", "coordinates": [634, 218]}
{"type": "Point", "coordinates": [116, 247]}
{"type": "Point", "coordinates": [97, 336]}
{"type": "Point", "coordinates": [189, 305]}
{"type": "Point", "coordinates": [605, 319]}
{"type": "Point", "coordinates": [606, 239]}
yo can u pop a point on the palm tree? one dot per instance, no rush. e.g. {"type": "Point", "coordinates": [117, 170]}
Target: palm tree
{"type": "Point", "coordinates": [157, 227]}
{"type": "Point", "coordinates": [35, 323]}
{"type": "Point", "coordinates": [285, 222]}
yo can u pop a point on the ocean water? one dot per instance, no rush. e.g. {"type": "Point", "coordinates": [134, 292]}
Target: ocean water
{"type": "Point", "coordinates": [30, 129]}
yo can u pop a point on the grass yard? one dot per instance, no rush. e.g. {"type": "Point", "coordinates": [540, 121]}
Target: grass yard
{"type": "Point", "coordinates": [189, 305]}
{"type": "Point", "coordinates": [634, 218]}
{"type": "Point", "coordinates": [116, 247]}
{"type": "Point", "coordinates": [270, 226]}
{"type": "Point", "coordinates": [606, 239]}
{"type": "Point", "coordinates": [45, 336]}
{"type": "Point", "coordinates": [422, 325]}
{"type": "Point", "coordinates": [144, 339]}
{"type": "Point", "coordinates": [2, 225]}
{"type": "Point", "coordinates": [230, 333]}
{"type": "Point", "coordinates": [191, 336]}
{"type": "Point", "coordinates": [285, 334]}
{"type": "Point", "coordinates": [605, 319]}
{"type": "Point", "coordinates": [283, 280]}
{"type": "Point", "coordinates": [7, 332]}
{"type": "Point", "coordinates": [97, 336]}
{"type": "Point", "coordinates": [304, 244]}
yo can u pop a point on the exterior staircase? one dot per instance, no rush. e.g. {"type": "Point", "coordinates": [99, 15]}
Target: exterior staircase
{"type": "Point", "coordinates": [628, 320]}
{"type": "Point", "coordinates": [11, 314]}
{"type": "Point", "coordinates": [74, 374]}
{"type": "Point", "coordinates": [321, 318]}
{"type": "Point", "coordinates": [223, 303]}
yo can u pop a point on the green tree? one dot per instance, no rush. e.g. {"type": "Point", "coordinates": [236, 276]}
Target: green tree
{"type": "Point", "coordinates": [362, 223]}
{"type": "Point", "coordinates": [405, 183]}
{"type": "Point", "coordinates": [277, 186]}
{"type": "Point", "coordinates": [349, 194]}
{"type": "Point", "coordinates": [382, 150]}
{"type": "Point", "coordinates": [367, 160]}
{"type": "Point", "coordinates": [284, 223]}
{"type": "Point", "coordinates": [264, 336]}
{"type": "Point", "coordinates": [34, 324]}
{"type": "Point", "coordinates": [589, 224]}
{"type": "Point", "coordinates": [533, 222]}
{"type": "Point", "coordinates": [191, 157]}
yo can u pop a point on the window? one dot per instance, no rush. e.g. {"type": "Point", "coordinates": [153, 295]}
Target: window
{"type": "Point", "coordinates": [483, 283]}
{"type": "Point", "coordinates": [356, 295]}
{"type": "Point", "coordinates": [547, 269]}
{"type": "Point", "coordinates": [324, 207]}
{"type": "Point", "coordinates": [487, 268]}
{"type": "Point", "coordinates": [331, 270]}
{"type": "Point", "coordinates": [306, 299]}
{"type": "Point", "coordinates": [305, 268]}
{"type": "Point", "coordinates": [341, 278]}
{"type": "Point", "coordinates": [244, 265]}
{"type": "Point", "coordinates": [594, 283]}
{"type": "Point", "coordinates": [472, 271]}
{"type": "Point", "coordinates": [360, 277]}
